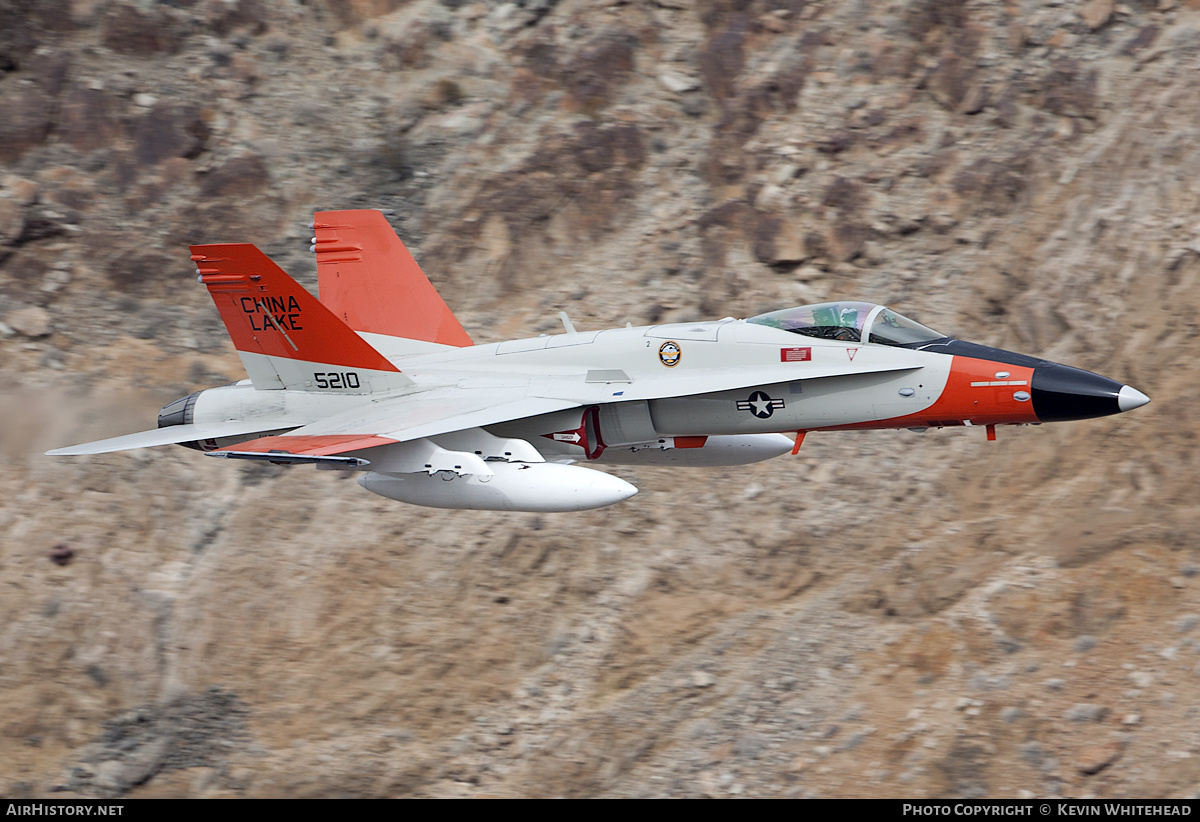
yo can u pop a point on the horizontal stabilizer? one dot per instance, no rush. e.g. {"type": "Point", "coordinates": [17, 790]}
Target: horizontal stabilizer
{"type": "Point", "coordinates": [171, 435]}
{"type": "Point", "coordinates": [280, 458]}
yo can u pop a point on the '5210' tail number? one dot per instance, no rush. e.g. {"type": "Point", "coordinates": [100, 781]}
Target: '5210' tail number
{"type": "Point", "coordinates": [334, 379]}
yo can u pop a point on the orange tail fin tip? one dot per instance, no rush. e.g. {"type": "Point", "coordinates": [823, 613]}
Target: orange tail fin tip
{"type": "Point", "coordinates": [369, 280]}
{"type": "Point", "coordinates": [267, 312]}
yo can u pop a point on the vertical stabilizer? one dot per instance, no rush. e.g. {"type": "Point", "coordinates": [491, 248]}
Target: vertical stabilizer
{"type": "Point", "coordinates": [285, 337]}
{"type": "Point", "coordinates": [368, 279]}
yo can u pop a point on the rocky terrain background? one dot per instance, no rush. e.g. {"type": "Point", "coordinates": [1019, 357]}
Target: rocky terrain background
{"type": "Point", "coordinates": [886, 614]}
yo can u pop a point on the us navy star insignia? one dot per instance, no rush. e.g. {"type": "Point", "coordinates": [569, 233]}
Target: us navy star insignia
{"type": "Point", "coordinates": [760, 404]}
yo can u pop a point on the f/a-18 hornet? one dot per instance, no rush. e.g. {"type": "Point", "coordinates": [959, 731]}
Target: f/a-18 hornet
{"type": "Point", "coordinates": [380, 378]}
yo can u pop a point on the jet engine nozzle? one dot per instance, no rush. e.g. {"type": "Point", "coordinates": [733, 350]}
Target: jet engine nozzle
{"type": "Point", "coordinates": [180, 412]}
{"type": "Point", "coordinates": [1061, 392]}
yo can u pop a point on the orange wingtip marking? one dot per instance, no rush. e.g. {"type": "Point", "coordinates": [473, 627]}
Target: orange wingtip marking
{"type": "Point", "coordinates": [690, 442]}
{"type": "Point", "coordinates": [366, 275]}
{"type": "Point", "coordinates": [322, 446]}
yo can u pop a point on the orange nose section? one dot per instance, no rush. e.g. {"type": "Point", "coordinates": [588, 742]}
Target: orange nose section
{"type": "Point", "coordinates": [983, 392]}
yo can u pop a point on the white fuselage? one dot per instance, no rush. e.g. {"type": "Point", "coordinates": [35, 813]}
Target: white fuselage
{"type": "Point", "coordinates": [726, 377]}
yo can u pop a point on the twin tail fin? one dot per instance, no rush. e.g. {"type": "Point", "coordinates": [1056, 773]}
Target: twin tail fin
{"type": "Point", "coordinates": [372, 283]}
{"type": "Point", "coordinates": [286, 338]}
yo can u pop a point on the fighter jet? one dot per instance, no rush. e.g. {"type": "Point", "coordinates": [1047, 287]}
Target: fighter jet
{"type": "Point", "coordinates": [378, 377]}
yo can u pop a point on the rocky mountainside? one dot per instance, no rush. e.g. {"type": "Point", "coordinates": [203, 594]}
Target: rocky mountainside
{"type": "Point", "coordinates": [885, 614]}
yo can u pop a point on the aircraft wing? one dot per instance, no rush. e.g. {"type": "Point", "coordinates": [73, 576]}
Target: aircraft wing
{"type": "Point", "coordinates": [475, 401]}
{"type": "Point", "coordinates": [173, 434]}
{"type": "Point", "coordinates": [403, 419]}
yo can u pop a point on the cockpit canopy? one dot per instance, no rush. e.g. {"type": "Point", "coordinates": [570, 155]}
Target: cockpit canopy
{"type": "Point", "coordinates": [850, 322]}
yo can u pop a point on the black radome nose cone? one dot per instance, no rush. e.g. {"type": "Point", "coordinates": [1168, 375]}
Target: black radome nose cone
{"type": "Point", "coordinates": [1064, 393]}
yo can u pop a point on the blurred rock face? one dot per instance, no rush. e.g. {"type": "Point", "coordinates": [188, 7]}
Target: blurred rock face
{"type": "Point", "coordinates": [885, 614]}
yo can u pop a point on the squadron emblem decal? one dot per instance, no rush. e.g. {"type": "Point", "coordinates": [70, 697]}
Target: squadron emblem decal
{"type": "Point", "coordinates": [669, 353]}
{"type": "Point", "coordinates": [760, 405]}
